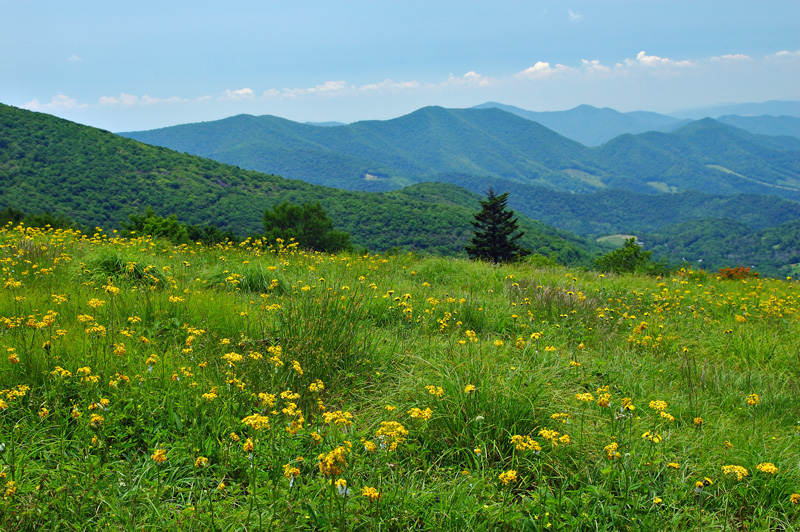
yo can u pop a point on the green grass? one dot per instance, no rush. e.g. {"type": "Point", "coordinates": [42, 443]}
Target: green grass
{"type": "Point", "coordinates": [404, 374]}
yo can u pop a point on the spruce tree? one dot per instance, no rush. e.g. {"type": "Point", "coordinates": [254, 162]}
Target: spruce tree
{"type": "Point", "coordinates": [495, 228]}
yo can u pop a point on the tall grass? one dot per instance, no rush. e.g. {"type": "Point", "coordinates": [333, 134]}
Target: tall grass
{"type": "Point", "coordinates": [147, 386]}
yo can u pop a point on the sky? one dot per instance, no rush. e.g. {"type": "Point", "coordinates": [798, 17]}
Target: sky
{"type": "Point", "coordinates": [126, 66]}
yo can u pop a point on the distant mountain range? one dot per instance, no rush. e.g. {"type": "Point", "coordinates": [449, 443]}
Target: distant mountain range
{"type": "Point", "coordinates": [433, 143]}
{"type": "Point", "coordinates": [592, 126]}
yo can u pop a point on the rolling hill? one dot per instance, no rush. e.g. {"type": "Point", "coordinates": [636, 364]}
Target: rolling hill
{"type": "Point", "coordinates": [706, 156]}
{"type": "Point", "coordinates": [98, 179]}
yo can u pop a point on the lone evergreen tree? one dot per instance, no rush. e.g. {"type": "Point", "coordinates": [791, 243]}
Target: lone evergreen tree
{"type": "Point", "coordinates": [494, 237]}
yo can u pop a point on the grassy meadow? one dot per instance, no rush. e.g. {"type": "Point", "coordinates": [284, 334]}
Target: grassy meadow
{"type": "Point", "coordinates": [145, 386]}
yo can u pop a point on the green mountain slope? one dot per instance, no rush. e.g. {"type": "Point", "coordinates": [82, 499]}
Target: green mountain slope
{"type": "Point", "coordinates": [612, 211]}
{"type": "Point", "coordinates": [374, 155]}
{"type": "Point", "coordinates": [706, 155]}
{"type": "Point", "coordinates": [715, 243]}
{"type": "Point", "coordinates": [99, 179]}
{"type": "Point", "coordinates": [709, 157]}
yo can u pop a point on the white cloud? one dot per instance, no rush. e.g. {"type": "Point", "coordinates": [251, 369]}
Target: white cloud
{"type": "Point", "coordinates": [389, 85]}
{"type": "Point", "coordinates": [542, 70]}
{"type": "Point", "coordinates": [731, 58]}
{"type": "Point", "coordinates": [74, 59]}
{"type": "Point", "coordinates": [783, 55]}
{"type": "Point", "coordinates": [59, 102]}
{"type": "Point", "coordinates": [594, 67]}
{"type": "Point", "coordinates": [573, 16]}
{"type": "Point", "coordinates": [328, 88]}
{"type": "Point", "coordinates": [239, 94]}
{"type": "Point", "coordinates": [654, 61]}
{"type": "Point", "coordinates": [470, 79]}
{"type": "Point", "coordinates": [125, 100]}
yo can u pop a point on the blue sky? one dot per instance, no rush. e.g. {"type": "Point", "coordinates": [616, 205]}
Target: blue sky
{"type": "Point", "coordinates": [140, 65]}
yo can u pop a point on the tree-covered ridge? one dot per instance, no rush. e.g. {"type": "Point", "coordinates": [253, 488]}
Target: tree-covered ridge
{"type": "Point", "coordinates": [99, 179]}
{"type": "Point", "coordinates": [705, 156]}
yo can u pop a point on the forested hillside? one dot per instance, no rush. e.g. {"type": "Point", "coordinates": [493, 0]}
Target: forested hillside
{"type": "Point", "coordinates": [704, 156]}
{"type": "Point", "coordinates": [100, 179]}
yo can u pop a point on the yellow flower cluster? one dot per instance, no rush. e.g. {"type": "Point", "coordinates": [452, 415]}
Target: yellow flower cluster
{"type": "Point", "coordinates": [767, 467]}
{"type": "Point", "coordinates": [391, 433]}
{"type": "Point", "coordinates": [525, 443]}
{"type": "Point", "coordinates": [256, 422]}
{"type": "Point", "coordinates": [370, 493]}
{"type": "Point", "coordinates": [334, 463]}
{"type": "Point", "coordinates": [416, 413]}
{"type": "Point", "coordinates": [507, 477]}
{"type": "Point", "coordinates": [739, 471]}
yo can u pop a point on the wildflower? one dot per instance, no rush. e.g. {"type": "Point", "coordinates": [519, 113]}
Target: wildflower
{"type": "Point", "coordinates": [11, 489]}
{"type": "Point", "coordinates": [562, 417]}
{"type": "Point", "coordinates": [507, 477]}
{"type": "Point", "coordinates": [525, 443]}
{"type": "Point", "coordinates": [753, 399]}
{"type": "Point", "coordinates": [469, 389]}
{"type": "Point", "coordinates": [44, 412]}
{"type": "Point", "coordinates": [370, 446]}
{"type": "Point", "coordinates": [316, 386]}
{"type": "Point", "coordinates": [795, 498]}
{"type": "Point", "coordinates": [739, 471]}
{"type": "Point", "coordinates": [477, 450]}
{"type": "Point", "coordinates": [574, 364]}
{"type": "Point", "coordinates": [611, 451]}
{"type": "Point", "coordinates": [585, 397]}
{"type": "Point", "coordinates": [669, 417]}
{"type": "Point", "coordinates": [333, 463]}
{"type": "Point", "coordinates": [247, 446]}
{"type": "Point", "coordinates": [653, 437]}
{"type": "Point", "coordinates": [416, 413]}
{"type": "Point", "coordinates": [435, 390]}
{"type": "Point", "coordinates": [698, 421]}
{"type": "Point", "coordinates": [390, 408]}
{"type": "Point", "coordinates": [256, 422]}
{"type": "Point", "coordinates": [767, 467]}
{"type": "Point", "coordinates": [159, 456]}
{"type": "Point", "coordinates": [234, 437]}
{"type": "Point", "coordinates": [221, 486]}
{"type": "Point", "coordinates": [658, 405]}
{"type": "Point", "coordinates": [657, 500]}
{"type": "Point", "coordinates": [604, 400]}
{"type": "Point", "coordinates": [201, 462]}
{"type": "Point", "coordinates": [96, 421]}
{"type": "Point", "coordinates": [673, 465]}
{"type": "Point", "coordinates": [370, 493]}
{"type": "Point", "coordinates": [290, 471]}
{"type": "Point", "coordinates": [339, 417]}
{"type": "Point", "coordinates": [392, 431]}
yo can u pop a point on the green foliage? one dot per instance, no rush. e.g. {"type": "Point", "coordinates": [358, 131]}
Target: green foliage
{"type": "Point", "coordinates": [629, 258]}
{"type": "Point", "coordinates": [307, 224]}
{"type": "Point", "coordinates": [496, 235]}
